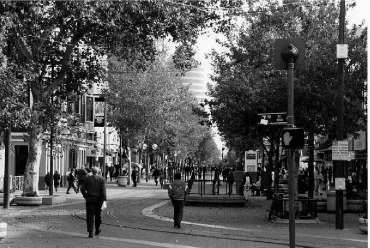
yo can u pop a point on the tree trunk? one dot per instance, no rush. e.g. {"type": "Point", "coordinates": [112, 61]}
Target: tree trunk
{"type": "Point", "coordinates": [31, 174]}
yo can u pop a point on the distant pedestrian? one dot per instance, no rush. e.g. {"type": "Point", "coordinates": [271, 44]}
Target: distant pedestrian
{"type": "Point", "coordinates": [176, 192]}
{"type": "Point", "coordinates": [56, 178]}
{"type": "Point", "coordinates": [134, 177]}
{"type": "Point", "coordinates": [230, 181]}
{"type": "Point", "coordinates": [94, 191]}
{"type": "Point", "coordinates": [47, 180]}
{"type": "Point", "coordinates": [156, 175]}
{"type": "Point", "coordinates": [71, 178]}
{"type": "Point", "coordinates": [161, 177]}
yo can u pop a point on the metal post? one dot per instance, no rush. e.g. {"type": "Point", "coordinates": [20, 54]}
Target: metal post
{"type": "Point", "coordinates": [105, 139]}
{"type": "Point", "coordinates": [291, 160]}
{"type": "Point", "coordinates": [339, 170]}
{"type": "Point", "coordinates": [120, 152]}
{"type": "Point", "coordinates": [7, 135]}
{"type": "Point", "coordinates": [51, 189]}
{"type": "Point", "coordinates": [129, 158]}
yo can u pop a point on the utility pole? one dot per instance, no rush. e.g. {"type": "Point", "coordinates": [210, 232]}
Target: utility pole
{"type": "Point", "coordinates": [7, 135]}
{"type": "Point", "coordinates": [339, 165]}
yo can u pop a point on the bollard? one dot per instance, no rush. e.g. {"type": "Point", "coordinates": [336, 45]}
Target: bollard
{"type": "Point", "coordinates": [3, 228]}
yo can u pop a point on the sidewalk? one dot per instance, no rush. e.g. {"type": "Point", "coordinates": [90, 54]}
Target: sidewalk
{"type": "Point", "coordinates": [254, 216]}
{"type": "Point", "coordinates": [113, 191]}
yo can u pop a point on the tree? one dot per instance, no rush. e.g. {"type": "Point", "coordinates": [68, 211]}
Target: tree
{"type": "Point", "coordinates": [154, 106]}
{"type": "Point", "coordinates": [208, 151]}
{"type": "Point", "coordinates": [247, 82]}
{"type": "Point", "coordinates": [71, 37]}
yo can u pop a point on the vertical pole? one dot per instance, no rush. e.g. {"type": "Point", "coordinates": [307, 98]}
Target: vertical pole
{"type": "Point", "coordinates": [120, 152]}
{"type": "Point", "coordinates": [51, 153]}
{"type": "Point", "coordinates": [129, 158]}
{"type": "Point", "coordinates": [339, 170]}
{"type": "Point", "coordinates": [291, 160]}
{"type": "Point", "coordinates": [105, 138]}
{"type": "Point", "coordinates": [7, 135]}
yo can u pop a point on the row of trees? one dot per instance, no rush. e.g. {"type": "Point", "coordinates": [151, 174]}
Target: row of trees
{"type": "Point", "coordinates": [154, 107]}
{"type": "Point", "coordinates": [248, 83]}
{"type": "Point", "coordinates": [50, 50]}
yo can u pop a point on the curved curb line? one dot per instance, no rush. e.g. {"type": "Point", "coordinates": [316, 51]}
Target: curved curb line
{"type": "Point", "coordinates": [149, 212]}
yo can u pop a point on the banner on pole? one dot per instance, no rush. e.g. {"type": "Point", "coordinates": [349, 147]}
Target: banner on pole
{"type": "Point", "coordinates": [99, 118]}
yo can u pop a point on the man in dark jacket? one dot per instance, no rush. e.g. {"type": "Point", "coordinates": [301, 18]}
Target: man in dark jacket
{"type": "Point", "coordinates": [176, 192]}
{"type": "Point", "coordinates": [94, 191]}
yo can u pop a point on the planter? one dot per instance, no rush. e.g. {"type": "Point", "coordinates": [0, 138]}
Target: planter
{"type": "Point", "coordinates": [28, 200]}
{"type": "Point", "coordinates": [122, 181]}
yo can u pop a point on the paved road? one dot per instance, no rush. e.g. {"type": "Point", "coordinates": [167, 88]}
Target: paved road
{"type": "Point", "coordinates": [125, 225]}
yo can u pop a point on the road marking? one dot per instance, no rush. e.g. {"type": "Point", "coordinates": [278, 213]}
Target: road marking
{"type": "Point", "coordinates": [149, 212]}
{"type": "Point", "coordinates": [132, 241]}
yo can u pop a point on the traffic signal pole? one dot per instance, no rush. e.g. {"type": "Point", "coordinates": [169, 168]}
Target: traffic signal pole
{"type": "Point", "coordinates": [291, 167]}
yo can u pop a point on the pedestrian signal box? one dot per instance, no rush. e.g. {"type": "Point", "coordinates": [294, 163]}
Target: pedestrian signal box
{"type": "Point", "coordinates": [293, 138]}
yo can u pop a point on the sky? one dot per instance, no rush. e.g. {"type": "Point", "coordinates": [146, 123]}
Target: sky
{"type": "Point", "coordinates": [207, 42]}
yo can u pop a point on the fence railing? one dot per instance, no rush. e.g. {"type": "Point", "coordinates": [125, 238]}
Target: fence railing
{"type": "Point", "coordinates": [15, 183]}
{"type": "Point", "coordinates": [212, 187]}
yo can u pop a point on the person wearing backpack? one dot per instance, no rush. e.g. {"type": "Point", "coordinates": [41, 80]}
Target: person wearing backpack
{"type": "Point", "coordinates": [176, 192]}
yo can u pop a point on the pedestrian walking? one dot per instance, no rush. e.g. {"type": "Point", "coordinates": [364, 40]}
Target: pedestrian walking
{"type": "Point", "coordinates": [47, 180]}
{"type": "Point", "coordinates": [176, 192]}
{"type": "Point", "coordinates": [156, 175]}
{"type": "Point", "coordinates": [71, 178]}
{"type": "Point", "coordinates": [134, 177]}
{"type": "Point", "coordinates": [94, 191]}
{"type": "Point", "coordinates": [56, 178]}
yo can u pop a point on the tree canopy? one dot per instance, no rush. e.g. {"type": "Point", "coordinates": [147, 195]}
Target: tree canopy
{"type": "Point", "coordinates": [248, 83]}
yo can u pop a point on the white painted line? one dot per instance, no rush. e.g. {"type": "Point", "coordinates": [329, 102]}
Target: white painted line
{"type": "Point", "coordinates": [132, 241]}
{"type": "Point", "coordinates": [149, 212]}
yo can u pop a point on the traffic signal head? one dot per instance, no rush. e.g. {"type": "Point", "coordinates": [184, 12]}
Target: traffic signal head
{"type": "Point", "coordinates": [293, 138]}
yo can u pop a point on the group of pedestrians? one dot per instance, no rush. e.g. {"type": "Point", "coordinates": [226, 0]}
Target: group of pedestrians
{"type": "Point", "coordinates": [55, 178]}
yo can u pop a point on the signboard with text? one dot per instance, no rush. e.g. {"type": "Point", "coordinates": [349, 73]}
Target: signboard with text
{"type": "Point", "coordinates": [340, 150]}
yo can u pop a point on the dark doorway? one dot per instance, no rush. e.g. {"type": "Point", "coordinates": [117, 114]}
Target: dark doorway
{"type": "Point", "coordinates": [21, 155]}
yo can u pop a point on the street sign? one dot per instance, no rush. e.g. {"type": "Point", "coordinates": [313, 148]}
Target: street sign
{"type": "Point", "coordinates": [293, 138]}
{"type": "Point", "coordinates": [340, 183]}
{"type": "Point", "coordinates": [342, 51]}
{"type": "Point", "coordinates": [340, 150]}
{"type": "Point", "coordinates": [281, 45]}
{"type": "Point", "coordinates": [273, 118]}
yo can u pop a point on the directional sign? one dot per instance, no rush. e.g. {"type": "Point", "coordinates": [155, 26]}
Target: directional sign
{"type": "Point", "coordinates": [340, 150]}
{"type": "Point", "coordinates": [273, 118]}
